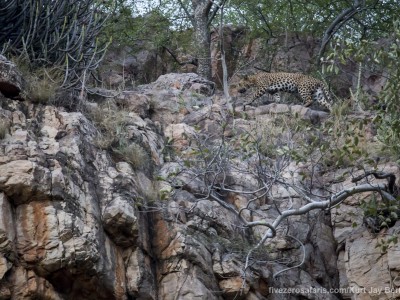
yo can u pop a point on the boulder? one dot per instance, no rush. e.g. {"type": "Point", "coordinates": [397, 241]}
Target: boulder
{"type": "Point", "coordinates": [190, 82]}
{"type": "Point", "coordinates": [11, 81]}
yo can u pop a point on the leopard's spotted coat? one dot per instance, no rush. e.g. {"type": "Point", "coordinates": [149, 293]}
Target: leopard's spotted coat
{"type": "Point", "coordinates": [309, 88]}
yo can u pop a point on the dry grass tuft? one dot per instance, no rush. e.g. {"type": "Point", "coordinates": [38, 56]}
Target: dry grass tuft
{"type": "Point", "coordinates": [42, 84]}
{"type": "Point", "coordinates": [134, 154]}
{"type": "Point", "coordinates": [111, 123]}
{"type": "Point", "coordinates": [113, 135]}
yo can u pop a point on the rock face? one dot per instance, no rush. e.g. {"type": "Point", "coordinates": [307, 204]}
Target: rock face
{"type": "Point", "coordinates": [67, 212]}
{"type": "Point", "coordinates": [366, 268]}
{"type": "Point", "coordinates": [11, 81]}
{"type": "Point", "coordinates": [79, 223]}
{"type": "Point", "coordinates": [233, 39]}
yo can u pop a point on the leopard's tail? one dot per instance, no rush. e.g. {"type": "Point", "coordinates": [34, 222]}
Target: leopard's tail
{"type": "Point", "coordinates": [327, 102]}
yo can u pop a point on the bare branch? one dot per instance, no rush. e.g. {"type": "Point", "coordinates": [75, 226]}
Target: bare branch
{"type": "Point", "coordinates": [214, 12]}
{"type": "Point", "coordinates": [298, 265]}
{"type": "Point", "coordinates": [339, 21]}
{"type": "Point", "coordinates": [181, 63]}
{"type": "Point", "coordinates": [334, 200]}
{"type": "Point", "coordinates": [391, 178]}
{"type": "Point", "coordinates": [224, 171]}
{"type": "Point", "coordinates": [187, 12]}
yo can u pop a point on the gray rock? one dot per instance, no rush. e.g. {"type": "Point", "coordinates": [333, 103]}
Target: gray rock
{"type": "Point", "coordinates": [11, 81]}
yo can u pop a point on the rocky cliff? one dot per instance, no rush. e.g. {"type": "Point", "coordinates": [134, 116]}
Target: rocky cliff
{"type": "Point", "coordinates": [80, 219]}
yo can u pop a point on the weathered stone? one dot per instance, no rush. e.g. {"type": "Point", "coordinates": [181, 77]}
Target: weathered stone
{"type": "Point", "coordinates": [234, 288]}
{"type": "Point", "coordinates": [302, 112]}
{"type": "Point", "coordinates": [11, 81]}
{"type": "Point", "coordinates": [120, 221]}
{"type": "Point", "coordinates": [5, 292]}
{"type": "Point", "coordinates": [23, 180]}
{"type": "Point", "coordinates": [138, 103]}
{"type": "Point", "coordinates": [27, 285]}
{"type": "Point", "coordinates": [185, 286]}
{"type": "Point", "coordinates": [139, 278]}
{"type": "Point", "coordinates": [185, 82]}
{"type": "Point", "coordinates": [5, 265]}
{"type": "Point", "coordinates": [101, 95]}
{"type": "Point", "coordinates": [7, 228]}
{"type": "Point", "coordinates": [366, 266]}
{"type": "Point", "coordinates": [393, 253]}
{"type": "Point", "coordinates": [181, 135]}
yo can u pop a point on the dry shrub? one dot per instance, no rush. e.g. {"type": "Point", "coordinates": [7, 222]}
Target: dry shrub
{"type": "Point", "coordinates": [134, 154]}
{"type": "Point", "coordinates": [42, 84]}
{"type": "Point", "coordinates": [112, 124]}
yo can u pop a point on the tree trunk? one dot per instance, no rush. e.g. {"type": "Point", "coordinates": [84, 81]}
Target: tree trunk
{"type": "Point", "coordinates": [223, 57]}
{"type": "Point", "coordinates": [202, 37]}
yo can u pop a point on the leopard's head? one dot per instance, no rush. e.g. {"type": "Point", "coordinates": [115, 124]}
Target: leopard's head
{"type": "Point", "coordinates": [246, 82]}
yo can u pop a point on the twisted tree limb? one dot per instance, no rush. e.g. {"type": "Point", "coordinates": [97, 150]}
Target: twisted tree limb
{"type": "Point", "coordinates": [337, 23]}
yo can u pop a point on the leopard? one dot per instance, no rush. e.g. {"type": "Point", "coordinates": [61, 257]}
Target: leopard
{"type": "Point", "coordinates": [308, 88]}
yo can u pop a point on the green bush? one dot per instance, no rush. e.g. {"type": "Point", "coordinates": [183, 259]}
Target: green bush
{"type": "Point", "coordinates": [376, 57]}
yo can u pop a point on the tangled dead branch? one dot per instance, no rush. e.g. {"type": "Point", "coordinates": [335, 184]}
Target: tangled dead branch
{"type": "Point", "coordinates": [223, 168]}
{"type": "Point", "coordinates": [392, 188]}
